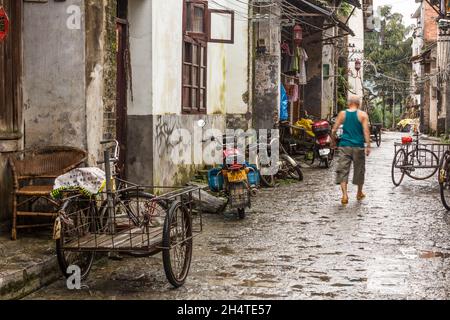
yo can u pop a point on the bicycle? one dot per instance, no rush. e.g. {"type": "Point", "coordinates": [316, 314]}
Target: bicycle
{"type": "Point", "coordinates": [419, 161]}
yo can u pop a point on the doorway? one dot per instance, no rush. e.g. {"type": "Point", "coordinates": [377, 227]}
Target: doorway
{"type": "Point", "coordinates": [122, 82]}
{"type": "Point", "coordinates": [11, 73]}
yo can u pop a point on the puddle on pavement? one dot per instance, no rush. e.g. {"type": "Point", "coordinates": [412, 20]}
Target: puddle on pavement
{"type": "Point", "coordinates": [322, 278]}
{"type": "Point", "coordinates": [258, 283]}
{"type": "Point", "coordinates": [225, 251]}
{"type": "Point", "coordinates": [226, 274]}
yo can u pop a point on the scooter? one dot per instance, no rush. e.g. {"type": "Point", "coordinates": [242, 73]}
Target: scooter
{"type": "Point", "coordinates": [322, 147]}
{"type": "Point", "coordinates": [233, 177]}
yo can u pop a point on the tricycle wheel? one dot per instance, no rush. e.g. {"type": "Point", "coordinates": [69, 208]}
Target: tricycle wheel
{"type": "Point", "coordinates": [177, 244]}
{"type": "Point", "coordinates": [444, 181]}
{"type": "Point", "coordinates": [241, 213]}
{"type": "Point", "coordinates": [79, 212]}
{"type": "Point", "coordinates": [398, 173]}
{"type": "Point", "coordinates": [378, 138]}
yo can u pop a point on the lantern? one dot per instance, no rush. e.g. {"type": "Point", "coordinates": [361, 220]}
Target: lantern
{"type": "Point", "coordinates": [4, 24]}
{"type": "Point", "coordinates": [298, 34]}
{"type": "Point", "coordinates": [357, 65]}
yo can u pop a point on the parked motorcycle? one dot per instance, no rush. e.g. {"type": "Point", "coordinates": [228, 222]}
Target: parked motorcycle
{"type": "Point", "coordinates": [309, 138]}
{"type": "Point", "coordinates": [322, 149]}
{"type": "Point", "coordinates": [234, 177]}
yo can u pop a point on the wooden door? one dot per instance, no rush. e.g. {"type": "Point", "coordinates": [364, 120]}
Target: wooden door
{"type": "Point", "coordinates": [11, 72]}
{"type": "Point", "coordinates": [122, 90]}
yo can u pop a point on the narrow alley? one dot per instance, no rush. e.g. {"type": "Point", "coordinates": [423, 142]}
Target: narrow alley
{"type": "Point", "coordinates": [300, 243]}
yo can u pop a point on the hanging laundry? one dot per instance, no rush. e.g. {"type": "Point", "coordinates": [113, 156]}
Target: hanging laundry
{"type": "Point", "coordinates": [286, 57]}
{"type": "Point", "coordinates": [292, 92]}
{"type": "Point", "coordinates": [303, 58]}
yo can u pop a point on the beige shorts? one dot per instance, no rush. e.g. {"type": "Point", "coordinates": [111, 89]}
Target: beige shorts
{"type": "Point", "coordinates": [347, 155]}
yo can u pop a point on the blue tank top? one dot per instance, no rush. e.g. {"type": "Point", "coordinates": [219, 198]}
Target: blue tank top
{"type": "Point", "coordinates": [353, 135]}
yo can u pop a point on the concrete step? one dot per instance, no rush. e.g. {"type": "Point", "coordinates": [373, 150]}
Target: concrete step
{"type": "Point", "coordinates": [26, 265]}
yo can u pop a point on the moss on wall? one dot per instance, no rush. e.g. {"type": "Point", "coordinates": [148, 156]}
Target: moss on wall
{"type": "Point", "coordinates": [110, 70]}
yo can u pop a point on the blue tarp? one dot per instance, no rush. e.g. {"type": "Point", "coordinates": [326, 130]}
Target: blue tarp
{"type": "Point", "coordinates": [284, 112]}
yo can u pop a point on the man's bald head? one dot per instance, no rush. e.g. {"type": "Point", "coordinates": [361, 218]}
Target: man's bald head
{"type": "Point", "coordinates": [354, 101]}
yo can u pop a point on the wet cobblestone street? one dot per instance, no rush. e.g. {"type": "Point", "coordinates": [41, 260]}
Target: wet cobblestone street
{"type": "Point", "coordinates": [299, 242]}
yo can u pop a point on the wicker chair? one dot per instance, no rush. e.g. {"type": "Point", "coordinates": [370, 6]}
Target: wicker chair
{"type": "Point", "coordinates": [34, 172]}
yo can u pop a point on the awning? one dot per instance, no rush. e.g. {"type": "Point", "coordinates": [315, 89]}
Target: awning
{"type": "Point", "coordinates": [354, 3]}
{"type": "Point", "coordinates": [314, 7]}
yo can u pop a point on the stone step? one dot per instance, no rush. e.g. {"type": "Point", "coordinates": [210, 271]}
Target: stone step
{"type": "Point", "coordinates": [26, 265]}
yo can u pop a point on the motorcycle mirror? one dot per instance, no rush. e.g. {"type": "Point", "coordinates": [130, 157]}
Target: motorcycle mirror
{"type": "Point", "coordinates": [201, 123]}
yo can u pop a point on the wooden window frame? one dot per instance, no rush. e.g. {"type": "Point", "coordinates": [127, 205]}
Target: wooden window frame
{"type": "Point", "coordinates": [228, 12]}
{"type": "Point", "coordinates": [199, 40]}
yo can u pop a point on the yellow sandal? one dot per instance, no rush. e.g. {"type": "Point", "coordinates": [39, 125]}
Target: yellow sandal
{"type": "Point", "coordinates": [360, 196]}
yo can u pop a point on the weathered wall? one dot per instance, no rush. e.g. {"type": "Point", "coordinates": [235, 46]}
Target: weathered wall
{"type": "Point", "coordinates": [156, 61]}
{"type": "Point", "coordinates": [176, 158]}
{"type": "Point", "coordinates": [266, 92]}
{"type": "Point", "coordinates": [313, 88]}
{"type": "Point", "coordinates": [228, 63]}
{"type": "Point", "coordinates": [100, 90]}
{"type": "Point", "coordinates": [356, 23]}
{"type": "Point", "coordinates": [430, 27]}
{"type": "Point", "coordinates": [54, 79]}
{"type": "Point", "coordinates": [266, 70]}
{"type": "Point", "coordinates": [167, 42]}
{"type": "Point", "coordinates": [328, 84]}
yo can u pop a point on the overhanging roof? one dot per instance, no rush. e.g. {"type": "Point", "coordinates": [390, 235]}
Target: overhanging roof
{"type": "Point", "coordinates": [354, 3]}
{"type": "Point", "coordinates": [315, 7]}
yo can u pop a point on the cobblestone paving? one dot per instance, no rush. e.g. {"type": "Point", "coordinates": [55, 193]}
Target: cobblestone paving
{"type": "Point", "coordinates": [300, 243]}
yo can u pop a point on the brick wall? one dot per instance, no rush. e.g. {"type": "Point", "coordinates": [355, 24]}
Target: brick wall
{"type": "Point", "coordinates": [430, 26]}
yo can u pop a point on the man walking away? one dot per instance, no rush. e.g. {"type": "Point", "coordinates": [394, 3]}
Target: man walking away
{"type": "Point", "coordinates": [355, 132]}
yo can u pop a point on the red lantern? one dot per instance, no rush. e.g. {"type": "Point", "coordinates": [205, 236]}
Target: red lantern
{"type": "Point", "coordinates": [357, 65]}
{"type": "Point", "coordinates": [4, 24]}
{"type": "Point", "coordinates": [298, 34]}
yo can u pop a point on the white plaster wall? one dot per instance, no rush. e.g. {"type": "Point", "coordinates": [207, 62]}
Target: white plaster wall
{"type": "Point", "coordinates": [167, 44]}
{"type": "Point", "coordinates": [140, 31]}
{"type": "Point", "coordinates": [227, 79]}
{"type": "Point", "coordinates": [228, 63]}
{"type": "Point", "coordinates": [328, 84]}
{"type": "Point", "coordinates": [356, 23]}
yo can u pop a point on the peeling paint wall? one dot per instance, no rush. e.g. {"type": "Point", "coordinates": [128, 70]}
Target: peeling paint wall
{"type": "Point", "coordinates": [95, 82]}
{"type": "Point", "coordinates": [54, 75]}
{"type": "Point", "coordinates": [175, 156]}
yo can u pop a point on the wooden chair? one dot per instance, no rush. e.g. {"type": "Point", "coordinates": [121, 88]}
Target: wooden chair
{"type": "Point", "coordinates": [34, 172]}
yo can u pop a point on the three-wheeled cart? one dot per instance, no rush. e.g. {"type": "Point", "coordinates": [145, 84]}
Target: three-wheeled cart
{"type": "Point", "coordinates": [128, 219]}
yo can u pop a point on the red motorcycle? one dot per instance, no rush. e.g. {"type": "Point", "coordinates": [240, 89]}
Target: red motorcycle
{"type": "Point", "coordinates": [322, 149]}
